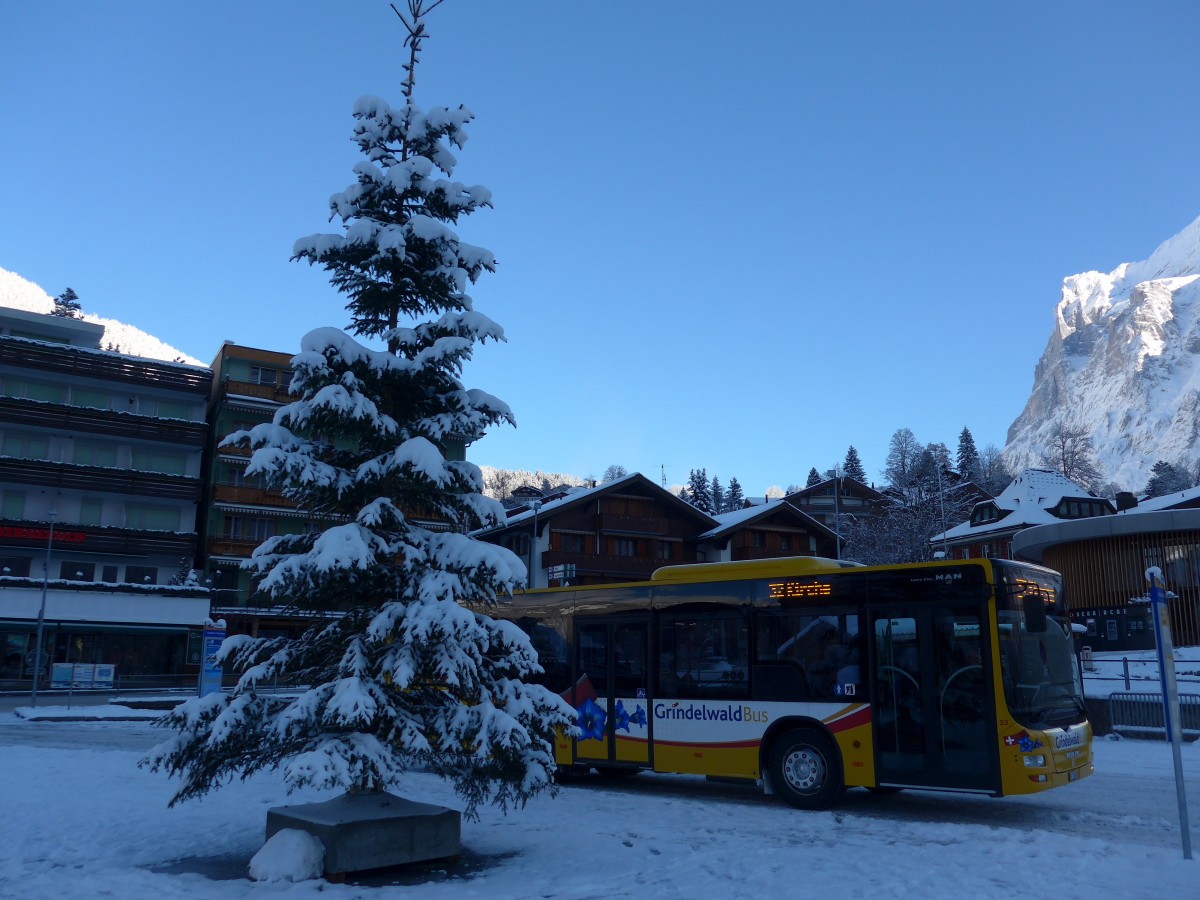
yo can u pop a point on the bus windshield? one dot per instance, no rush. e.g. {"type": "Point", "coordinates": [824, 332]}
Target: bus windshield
{"type": "Point", "coordinates": [1042, 682]}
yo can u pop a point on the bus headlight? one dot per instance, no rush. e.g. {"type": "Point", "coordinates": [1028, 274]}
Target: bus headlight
{"type": "Point", "coordinates": [1035, 762]}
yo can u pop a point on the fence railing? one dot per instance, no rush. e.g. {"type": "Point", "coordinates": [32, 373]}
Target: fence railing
{"type": "Point", "coordinates": [1138, 713]}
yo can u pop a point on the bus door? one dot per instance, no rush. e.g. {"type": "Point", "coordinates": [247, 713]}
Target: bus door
{"type": "Point", "coordinates": [612, 688]}
{"type": "Point", "coordinates": [932, 687]}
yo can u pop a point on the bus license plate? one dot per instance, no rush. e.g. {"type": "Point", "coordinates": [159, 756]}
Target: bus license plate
{"type": "Point", "coordinates": [1073, 775]}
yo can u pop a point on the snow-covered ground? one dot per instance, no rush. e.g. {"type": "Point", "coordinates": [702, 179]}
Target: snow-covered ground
{"type": "Point", "coordinates": [81, 819]}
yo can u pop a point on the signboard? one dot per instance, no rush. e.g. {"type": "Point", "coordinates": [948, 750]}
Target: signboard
{"type": "Point", "coordinates": [195, 648]}
{"type": "Point", "coordinates": [104, 675]}
{"type": "Point", "coordinates": [82, 675]}
{"type": "Point", "coordinates": [60, 675]}
{"type": "Point", "coordinates": [210, 672]}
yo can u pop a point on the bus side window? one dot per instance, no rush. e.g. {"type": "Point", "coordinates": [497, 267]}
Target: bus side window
{"type": "Point", "coordinates": [702, 656]}
{"type": "Point", "coordinates": [553, 656]}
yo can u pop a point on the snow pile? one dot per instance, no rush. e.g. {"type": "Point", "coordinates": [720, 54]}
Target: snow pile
{"type": "Point", "coordinates": [1123, 362]}
{"type": "Point", "coordinates": [18, 293]}
{"type": "Point", "coordinates": [289, 855]}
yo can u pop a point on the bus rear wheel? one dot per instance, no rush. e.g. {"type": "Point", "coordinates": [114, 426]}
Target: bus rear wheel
{"type": "Point", "coordinates": [806, 769]}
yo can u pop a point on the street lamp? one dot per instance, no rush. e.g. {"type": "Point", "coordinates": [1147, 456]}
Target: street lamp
{"type": "Point", "coordinates": [41, 620]}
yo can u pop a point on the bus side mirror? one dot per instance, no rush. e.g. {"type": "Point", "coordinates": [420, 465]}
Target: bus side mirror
{"type": "Point", "coordinates": [1035, 613]}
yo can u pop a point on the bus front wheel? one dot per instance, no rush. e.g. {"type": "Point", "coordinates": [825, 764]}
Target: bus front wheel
{"type": "Point", "coordinates": [806, 769]}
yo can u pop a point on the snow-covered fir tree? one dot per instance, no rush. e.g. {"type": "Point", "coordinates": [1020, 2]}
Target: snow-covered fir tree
{"type": "Point", "coordinates": [718, 496]}
{"type": "Point", "coordinates": [734, 498]}
{"type": "Point", "coordinates": [66, 305]}
{"type": "Point", "coordinates": [699, 494]}
{"type": "Point", "coordinates": [967, 457]}
{"type": "Point", "coordinates": [1168, 478]}
{"type": "Point", "coordinates": [814, 477]}
{"type": "Point", "coordinates": [853, 467]}
{"type": "Point", "coordinates": [401, 666]}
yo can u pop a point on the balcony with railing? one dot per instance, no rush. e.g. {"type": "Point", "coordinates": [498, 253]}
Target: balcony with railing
{"type": "Point", "coordinates": [276, 393]}
{"type": "Point", "coordinates": [603, 564]}
{"type": "Point", "coordinates": [249, 495]}
{"type": "Point", "coordinates": [624, 524]}
{"type": "Point", "coordinates": [99, 479]}
{"type": "Point", "coordinates": [102, 421]}
{"type": "Point", "coordinates": [225, 546]}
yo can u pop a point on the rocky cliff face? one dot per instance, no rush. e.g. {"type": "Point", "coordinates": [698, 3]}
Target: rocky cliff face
{"type": "Point", "coordinates": [1123, 362]}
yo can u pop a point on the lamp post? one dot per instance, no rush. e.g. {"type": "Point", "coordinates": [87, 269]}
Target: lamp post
{"type": "Point", "coordinates": [41, 619]}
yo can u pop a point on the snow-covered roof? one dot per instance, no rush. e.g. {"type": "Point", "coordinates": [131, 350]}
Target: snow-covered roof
{"type": "Point", "coordinates": [1028, 501]}
{"type": "Point", "coordinates": [1166, 501]}
{"type": "Point", "coordinates": [583, 494]}
{"type": "Point", "coordinates": [740, 517]}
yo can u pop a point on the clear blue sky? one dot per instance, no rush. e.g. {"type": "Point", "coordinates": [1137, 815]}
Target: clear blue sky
{"type": "Point", "coordinates": [737, 236]}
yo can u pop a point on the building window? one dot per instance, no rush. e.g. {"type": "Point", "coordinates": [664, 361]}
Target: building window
{"type": "Point", "coordinates": [264, 375]}
{"type": "Point", "coordinates": [664, 549]}
{"type": "Point", "coordinates": [25, 446]}
{"type": "Point", "coordinates": [141, 575]}
{"type": "Point", "coordinates": [248, 528]}
{"type": "Point", "coordinates": [77, 571]}
{"type": "Point", "coordinates": [90, 399]}
{"type": "Point", "coordinates": [171, 410]}
{"type": "Point", "coordinates": [90, 510]}
{"type": "Point", "coordinates": [151, 518]}
{"type": "Point", "coordinates": [12, 506]}
{"type": "Point", "coordinates": [572, 543]}
{"type": "Point", "coordinates": [158, 461]}
{"type": "Point", "coordinates": [89, 454]}
{"type": "Point", "coordinates": [14, 566]}
{"type": "Point", "coordinates": [758, 539]}
{"type": "Point", "coordinates": [623, 547]}
{"type": "Point", "coordinates": [785, 542]}
{"type": "Point", "coordinates": [109, 574]}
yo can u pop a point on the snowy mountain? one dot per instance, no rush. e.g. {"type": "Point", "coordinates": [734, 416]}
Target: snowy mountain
{"type": "Point", "coordinates": [17, 293]}
{"type": "Point", "coordinates": [1123, 363]}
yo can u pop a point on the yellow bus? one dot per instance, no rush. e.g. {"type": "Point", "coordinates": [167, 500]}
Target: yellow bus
{"type": "Point", "coordinates": [810, 676]}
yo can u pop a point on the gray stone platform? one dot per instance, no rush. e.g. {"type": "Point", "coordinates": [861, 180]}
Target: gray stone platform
{"type": "Point", "coordinates": [372, 831]}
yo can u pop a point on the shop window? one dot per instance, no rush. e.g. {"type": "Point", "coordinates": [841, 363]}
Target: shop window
{"type": "Point", "coordinates": [14, 566]}
{"type": "Point", "coordinates": [1112, 629]}
{"type": "Point", "coordinates": [108, 574]}
{"type": "Point", "coordinates": [141, 575]}
{"type": "Point", "coordinates": [70, 570]}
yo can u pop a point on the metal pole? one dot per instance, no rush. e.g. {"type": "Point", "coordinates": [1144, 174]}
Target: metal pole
{"type": "Point", "coordinates": [1166, 674]}
{"type": "Point", "coordinates": [41, 619]}
{"type": "Point", "coordinates": [1125, 664]}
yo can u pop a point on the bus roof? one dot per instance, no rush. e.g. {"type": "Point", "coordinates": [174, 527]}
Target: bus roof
{"type": "Point", "coordinates": [759, 568]}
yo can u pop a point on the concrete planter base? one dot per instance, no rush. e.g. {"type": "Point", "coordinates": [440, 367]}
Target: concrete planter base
{"type": "Point", "coordinates": [373, 831]}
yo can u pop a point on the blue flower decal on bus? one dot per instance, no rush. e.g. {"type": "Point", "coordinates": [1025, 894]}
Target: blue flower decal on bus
{"type": "Point", "coordinates": [620, 717]}
{"type": "Point", "coordinates": [591, 721]}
